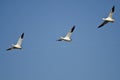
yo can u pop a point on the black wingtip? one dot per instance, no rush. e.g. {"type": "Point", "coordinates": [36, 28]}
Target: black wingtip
{"type": "Point", "coordinates": [22, 35]}
{"type": "Point", "coordinates": [59, 40]}
{"type": "Point", "coordinates": [113, 8]}
{"type": "Point", "coordinates": [8, 49]}
{"type": "Point", "coordinates": [99, 26]}
{"type": "Point", "coordinates": [73, 28]}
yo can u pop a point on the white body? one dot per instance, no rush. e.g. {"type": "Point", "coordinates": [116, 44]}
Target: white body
{"type": "Point", "coordinates": [16, 46]}
{"type": "Point", "coordinates": [66, 38]}
{"type": "Point", "coordinates": [109, 19]}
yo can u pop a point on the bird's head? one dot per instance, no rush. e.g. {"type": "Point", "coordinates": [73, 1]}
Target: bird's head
{"type": "Point", "coordinates": [103, 19]}
{"type": "Point", "coordinates": [12, 45]}
{"type": "Point", "coordinates": [61, 37]}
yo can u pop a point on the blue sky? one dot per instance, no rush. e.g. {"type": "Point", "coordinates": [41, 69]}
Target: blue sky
{"type": "Point", "coordinates": [93, 53]}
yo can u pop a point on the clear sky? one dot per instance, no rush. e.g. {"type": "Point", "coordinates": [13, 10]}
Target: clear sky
{"type": "Point", "coordinates": [93, 54]}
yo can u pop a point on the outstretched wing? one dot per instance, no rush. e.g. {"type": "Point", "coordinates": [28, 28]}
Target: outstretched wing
{"type": "Point", "coordinates": [20, 39]}
{"type": "Point", "coordinates": [105, 22]}
{"type": "Point", "coordinates": [70, 32]}
{"type": "Point", "coordinates": [9, 49]}
{"type": "Point", "coordinates": [59, 40]}
{"type": "Point", "coordinates": [111, 12]}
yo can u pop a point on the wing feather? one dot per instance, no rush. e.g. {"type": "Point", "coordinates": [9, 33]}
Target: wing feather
{"type": "Point", "coordinates": [9, 49]}
{"type": "Point", "coordinates": [20, 39]}
{"type": "Point", "coordinates": [105, 22]}
{"type": "Point", "coordinates": [111, 12]}
{"type": "Point", "coordinates": [70, 32]}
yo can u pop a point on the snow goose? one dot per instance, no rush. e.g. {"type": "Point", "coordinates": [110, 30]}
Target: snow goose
{"type": "Point", "coordinates": [68, 35]}
{"type": "Point", "coordinates": [18, 44]}
{"type": "Point", "coordinates": [109, 18]}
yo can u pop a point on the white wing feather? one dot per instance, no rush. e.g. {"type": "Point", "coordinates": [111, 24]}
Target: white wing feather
{"type": "Point", "coordinates": [111, 12]}
{"type": "Point", "coordinates": [20, 39]}
{"type": "Point", "coordinates": [70, 32]}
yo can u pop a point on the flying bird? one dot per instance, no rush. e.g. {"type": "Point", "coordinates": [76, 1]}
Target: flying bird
{"type": "Point", "coordinates": [109, 18]}
{"type": "Point", "coordinates": [68, 35]}
{"type": "Point", "coordinates": [18, 44]}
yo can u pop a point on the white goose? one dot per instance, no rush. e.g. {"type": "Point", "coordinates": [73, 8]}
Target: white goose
{"type": "Point", "coordinates": [68, 35]}
{"type": "Point", "coordinates": [18, 44]}
{"type": "Point", "coordinates": [109, 18]}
